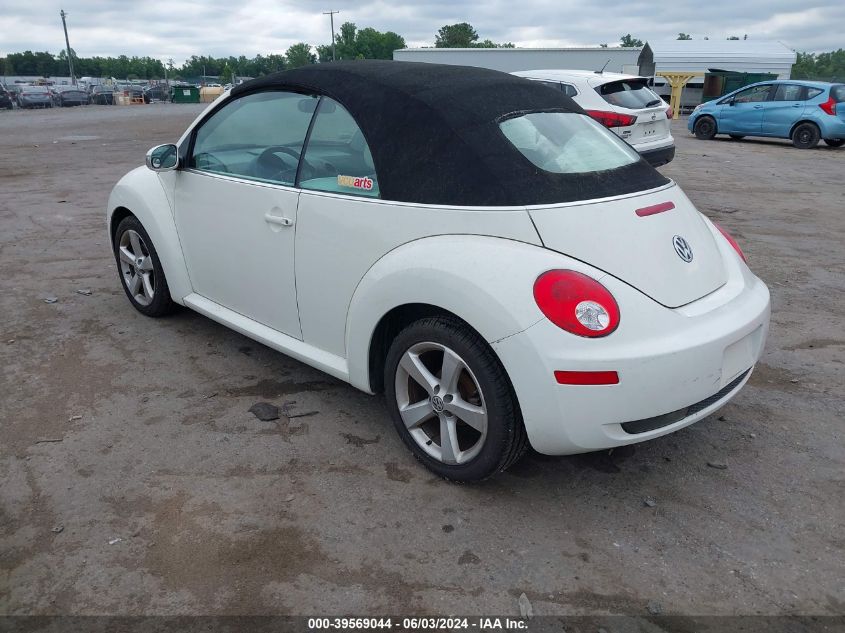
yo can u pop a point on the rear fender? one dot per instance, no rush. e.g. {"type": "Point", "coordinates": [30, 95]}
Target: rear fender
{"type": "Point", "coordinates": [142, 193]}
{"type": "Point", "coordinates": [488, 282]}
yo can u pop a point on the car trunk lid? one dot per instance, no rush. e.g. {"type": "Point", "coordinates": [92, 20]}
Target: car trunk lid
{"type": "Point", "coordinates": [651, 125]}
{"type": "Point", "coordinates": [643, 240]}
{"type": "Point", "coordinates": [633, 97]}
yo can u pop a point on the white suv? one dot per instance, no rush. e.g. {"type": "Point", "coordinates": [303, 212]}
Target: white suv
{"type": "Point", "coordinates": [623, 103]}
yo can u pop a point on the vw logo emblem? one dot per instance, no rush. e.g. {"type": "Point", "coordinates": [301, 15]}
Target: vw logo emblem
{"type": "Point", "coordinates": [437, 404]}
{"type": "Point", "coordinates": [653, 116]}
{"type": "Point", "coordinates": [682, 248]}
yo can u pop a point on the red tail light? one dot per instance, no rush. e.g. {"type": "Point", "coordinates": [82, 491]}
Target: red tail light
{"type": "Point", "coordinates": [829, 106]}
{"type": "Point", "coordinates": [576, 303]}
{"type": "Point", "coordinates": [612, 119]}
{"type": "Point", "coordinates": [670, 113]}
{"type": "Point", "coordinates": [731, 241]}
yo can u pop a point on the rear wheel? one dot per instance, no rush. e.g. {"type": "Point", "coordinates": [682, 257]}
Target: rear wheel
{"type": "Point", "coordinates": [140, 269]}
{"type": "Point", "coordinates": [834, 142]}
{"type": "Point", "coordinates": [451, 400]}
{"type": "Point", "coordinates": [806, 136]}
{"type": "Point", "coordinates": [705, 128]}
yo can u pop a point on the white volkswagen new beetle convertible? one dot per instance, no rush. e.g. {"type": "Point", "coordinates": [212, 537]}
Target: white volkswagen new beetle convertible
{"type": "Point", "coordinates": [470, 243]}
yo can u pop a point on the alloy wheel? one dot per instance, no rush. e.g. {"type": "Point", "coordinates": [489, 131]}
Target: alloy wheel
{"type": "Point", "coordinates": [136, 267]}
{"type": "Point", "coordinates": [441, 403]}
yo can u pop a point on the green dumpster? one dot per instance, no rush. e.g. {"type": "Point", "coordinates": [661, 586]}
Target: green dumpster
{"type": "Point", "coordinates": [720, 82]}
{"type": "Point", "coordinates": [185, 94]}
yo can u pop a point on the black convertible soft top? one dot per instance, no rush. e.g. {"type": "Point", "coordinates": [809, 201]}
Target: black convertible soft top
{"type": "Point", "coordinates": [433, 131]}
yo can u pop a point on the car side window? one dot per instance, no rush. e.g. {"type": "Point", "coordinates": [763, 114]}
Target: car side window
{"type": "Point", "coordinates": [815, 92]}
{"type": "Point", "coordinates": [753, 95]}
{"type": "Point", "coordinates": [551, 84]}
{"type": "Point", "coordinates": [788, 92]}
{"type": "Point", "coordinates": [569, 90]}
{"type": "Point", "coordinates": [338, 158]}
{"type": "Point", "coordinates": [258, 136]}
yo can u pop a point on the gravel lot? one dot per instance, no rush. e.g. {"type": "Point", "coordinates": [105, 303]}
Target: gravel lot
{"type": "Point", "coordinates": [134, 480]}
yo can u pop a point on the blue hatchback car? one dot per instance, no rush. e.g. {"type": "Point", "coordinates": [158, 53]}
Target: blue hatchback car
{"type": "Point", "coordinates": [804, 111]}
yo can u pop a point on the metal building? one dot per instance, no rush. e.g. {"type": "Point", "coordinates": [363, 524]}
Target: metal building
{"type": "Point", "coordinates": [618, 59]}
{"type": "Point", "coordinates": [701, 56]}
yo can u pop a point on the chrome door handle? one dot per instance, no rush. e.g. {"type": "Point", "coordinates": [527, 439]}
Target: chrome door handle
{"type": "Point", "coordinates": [277, 219]}
{"type": "Point", "coordinates": [758, 107]}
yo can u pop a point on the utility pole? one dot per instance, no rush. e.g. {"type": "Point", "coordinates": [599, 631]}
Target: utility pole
{"type": "Point", "coordinates": [67, 42]}
{"type": "Point", "coordinates": [331, 17]}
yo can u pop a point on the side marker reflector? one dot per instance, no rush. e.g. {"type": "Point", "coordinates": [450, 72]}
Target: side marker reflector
{"type": "Point", "coordinates": [587, 377]}
{"type": "Point", "coordinates": [654, 209]}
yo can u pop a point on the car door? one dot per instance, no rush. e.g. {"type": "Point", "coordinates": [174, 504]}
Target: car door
{"type": "Point", "coordinates": [340, 228]}
{"type": "Point", "coordinates": [743, 113]}
{"type": "Point", "coordinates": [236, 205]}
{"type": "Point", "coordinates": [783, 110]}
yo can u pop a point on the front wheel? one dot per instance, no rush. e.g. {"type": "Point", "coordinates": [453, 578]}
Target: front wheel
{"type": "Point", "coordinates": [705, 128]}
{"type": "Point", "coordinates": [834, 142]}
{"type": "Point", "coordinates": [806, 136]}
{"type": "Point", "coordinates": [451, 400]}
{"type": "Point", "coordinates": [140, 269]}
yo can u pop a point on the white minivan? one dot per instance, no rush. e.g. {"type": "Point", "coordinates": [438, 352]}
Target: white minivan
{"type": "Point", "coordinates": [623, 103]}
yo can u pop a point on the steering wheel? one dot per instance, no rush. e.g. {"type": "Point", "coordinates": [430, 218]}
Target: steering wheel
{"type": "Point", "coordinates": [270, 166]}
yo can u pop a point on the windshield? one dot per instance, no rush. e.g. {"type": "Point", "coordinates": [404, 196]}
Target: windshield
{"type": "Point", "coordinates": [567, 143]}
{"type": "Point", "coordinates": [633, 94]}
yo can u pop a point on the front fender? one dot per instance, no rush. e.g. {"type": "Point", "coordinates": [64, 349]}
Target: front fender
{"type": "Point", "coordinates": [486, 281]}
{"type": "Point", "coordinates": [142, 193]}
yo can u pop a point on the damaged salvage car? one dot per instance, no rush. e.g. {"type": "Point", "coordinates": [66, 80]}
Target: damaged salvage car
{"type": "Point", "coordinates": [505, 269]}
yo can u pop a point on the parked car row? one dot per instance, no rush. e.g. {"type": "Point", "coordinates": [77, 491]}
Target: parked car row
{"type": "Point", "coordinates": [31, 96]}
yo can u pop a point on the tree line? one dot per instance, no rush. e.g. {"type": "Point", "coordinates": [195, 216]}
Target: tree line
{"type": "Point", "coordinates": [350, 43]}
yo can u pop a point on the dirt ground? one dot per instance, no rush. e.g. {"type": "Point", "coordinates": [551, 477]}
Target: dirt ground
{"type": "Point", "coordinates": [134, 480]}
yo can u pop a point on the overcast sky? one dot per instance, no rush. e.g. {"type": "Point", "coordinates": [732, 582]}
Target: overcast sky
{"type": "Point", "coordinates": [180, 28]}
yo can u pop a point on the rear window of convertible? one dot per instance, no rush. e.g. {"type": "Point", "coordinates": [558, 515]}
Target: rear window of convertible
{"type": "Point", "coordinates": [567, 143]}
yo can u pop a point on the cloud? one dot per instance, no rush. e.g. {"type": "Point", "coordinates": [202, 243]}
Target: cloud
{"type": "Point", "coordinates": [180, 28]}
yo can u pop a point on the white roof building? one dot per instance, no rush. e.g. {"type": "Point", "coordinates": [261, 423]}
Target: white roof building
{"type": "Point", "coordinates": [508, 60]}
{"type": "Point", "coordinates": [748, 56]}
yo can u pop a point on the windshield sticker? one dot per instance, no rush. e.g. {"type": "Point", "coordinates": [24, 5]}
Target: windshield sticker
{"type": "Point", "coordinates": [355, 182]}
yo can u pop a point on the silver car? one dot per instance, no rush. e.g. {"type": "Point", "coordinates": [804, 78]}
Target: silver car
{"type": "Point", "coordinates": [35, 97]}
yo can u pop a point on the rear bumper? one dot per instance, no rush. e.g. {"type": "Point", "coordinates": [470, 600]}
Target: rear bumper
{"type": "Point", "coordinates": [658, 157]}
{"type": "Point", "coordinates": [833, 127]}
{"type": "Point", "coordinates": [675, 366]}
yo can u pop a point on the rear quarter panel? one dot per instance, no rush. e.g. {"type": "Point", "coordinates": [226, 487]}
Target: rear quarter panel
{"type": "Point", "coordinates": [340, 238]}
{"type": "Point", "coordinates": [488, 282]}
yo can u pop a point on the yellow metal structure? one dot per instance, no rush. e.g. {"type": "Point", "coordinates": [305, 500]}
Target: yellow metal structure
{"type": "Point", "coordinates": [677, 81]}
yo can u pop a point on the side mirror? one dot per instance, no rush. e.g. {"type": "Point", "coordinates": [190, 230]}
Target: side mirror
{"type": "Point", "coordinates": [731, 102]}
{"type": "Point", "coordinates": [163, 158]}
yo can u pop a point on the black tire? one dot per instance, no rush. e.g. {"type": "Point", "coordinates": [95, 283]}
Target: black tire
{"type": "Point", "coordinates": [505, 440]}
{"type": "Point", "coordinates": [705, 128]}
{"type": "Point", "coordinates": [161, 304]}
{"type": "Point", "coordinates": [737, 137]}
{"type": "Point", "coordinates": [834, 142]}
{"type": "Point", "coordinates": [806, 136]}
